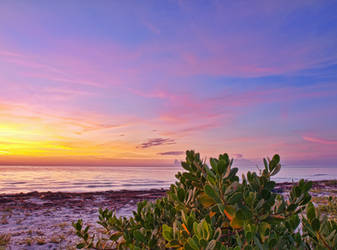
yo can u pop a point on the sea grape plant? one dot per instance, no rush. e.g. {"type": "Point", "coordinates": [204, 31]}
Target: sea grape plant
{"type": "Point", "coordinates": [209, 207]}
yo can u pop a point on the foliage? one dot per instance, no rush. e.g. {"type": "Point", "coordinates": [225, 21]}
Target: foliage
{"type": "Point", "coordinates": [209, 208]}
{"type": "Point", "coordinates": [327, 205]}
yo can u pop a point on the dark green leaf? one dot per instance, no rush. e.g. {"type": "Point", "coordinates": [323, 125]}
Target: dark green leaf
{"type": "Point", "coordinates": [212, 193]}
{"type": "Point", "coordinates": [311, 214]}
{"type": "Point", "coordinates": [139, 236]}
{"type": "Point", "coordinates": [315, 224]}
{"type": "Point", "coordinates": [80, 245]}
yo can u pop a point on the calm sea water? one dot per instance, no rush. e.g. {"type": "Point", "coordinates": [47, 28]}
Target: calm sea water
{"type": "Point", "coordinates": [15, 179]}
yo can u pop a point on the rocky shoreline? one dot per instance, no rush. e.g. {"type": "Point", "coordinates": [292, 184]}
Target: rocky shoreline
{"type": "Point", "coordinates": [43, 220]}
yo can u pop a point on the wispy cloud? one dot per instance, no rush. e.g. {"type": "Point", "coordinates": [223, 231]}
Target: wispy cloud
{"type": "Point", "coordinates": [172, 153]}
{"type": "Point", "coordinates": [319, 140]}
{"type": "Point", "coordinates": [157, 142]}
{"type": "Point", "coordinates": [190, 129]}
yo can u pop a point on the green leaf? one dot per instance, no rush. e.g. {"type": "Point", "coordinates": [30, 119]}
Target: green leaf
{"type": "Point", "coordinates": [181, 194]}
{"type": "Point", "coordinates": [272, 243]}
{"type": "Point", "coordinates": [331, 235]}
{"type": "Point", "coordinates": [315, 224]}
{"type": "Point", "coordinates": [237, 222]}
{"type": "Point", "coordinates": [297, 191]}
{"type": "Point", "coordinates": [167, 232]}
{"type": "Point", "coordinates": [173, 244]}
{"type": "Point", "coordinates": [190, 177]}
{"type": "Point", "coordinates": [264, 226]}
{"type": "Point", "coordinates": [212, 193]}
{"type": "Point", "coordinates": [258, 243]}
{"type": "Point", "coordinates": [192, 244]}
{"type": "Point", "coordinates": [334, 242]}
{"type": "Point", "coordinates": [269, 185]}
{"type": "Point", "coordinates": [186, 166]}
{"type": "Point", "coordinates": [195, 230]}
{"type": "Point", "coordinates": [78, 225]}
{"type": "Point", "coordinates": [233, 173]}
{"type": "Point", "coordinates": [292, 207]}
{"type": "Point", "coordinates": [235, 198]}
{"type": "Point", "coordinates": [276, 170]}
{"type": "Point", "coordinates": [273, 163]}
{"type": "Point", "coordinates": [222, 167]}
{"type": "Point", "coordinates": [205, 200]}
{"type": "Point", "coordinates": [307, 186]}
{"type": "Point", "coordinates": [214, 164]}
{"type": "Point", "coordinates": [205, 230]}
{"type": "Point", "coordinates": [241, 214]}
{"type": "Point", "coordinates": [311, 214]}
{"type": "Point", "coordinates": [228, 171]}
{"type": "Point", "coordinates": [139, 236]}
{"type": "Point", "coordinates": [265, 163]}
{"type": "Point", "coordinates": [80, 245]}
{"type": "Point", "coordinates": [116, 236]}
{"type": "Point", "coordinates": [295, 221]}
{"type": "Point", "coordinates": [229, 211]}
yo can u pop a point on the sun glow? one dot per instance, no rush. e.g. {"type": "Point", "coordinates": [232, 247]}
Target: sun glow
{"type": "Point", "coordinates": [60, 138]}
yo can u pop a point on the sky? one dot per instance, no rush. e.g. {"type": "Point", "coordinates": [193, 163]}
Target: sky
{"type": "Point", "coordinates": [140, 82]}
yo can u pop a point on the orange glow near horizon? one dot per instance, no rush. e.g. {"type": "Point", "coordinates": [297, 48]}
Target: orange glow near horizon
{"type": "Point", "coordinates": [38, 137]}
{"type": "Point", "coordinates": [30, 137]}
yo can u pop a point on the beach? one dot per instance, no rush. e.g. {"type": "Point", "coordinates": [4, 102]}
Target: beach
{"type": "Point", "coordinates": [43, 220]}
{"type": "Point", "coordinates": [227, 104]}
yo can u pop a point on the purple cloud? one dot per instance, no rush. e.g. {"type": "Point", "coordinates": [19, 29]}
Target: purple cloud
{"type": "Point", "coordinates": [172, 153]}
{"type": "Point", "coordinates": [157, 142]}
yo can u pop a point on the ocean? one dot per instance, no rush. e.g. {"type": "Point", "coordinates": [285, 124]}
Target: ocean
{"type": "Point", "coordinates": [16, 179]}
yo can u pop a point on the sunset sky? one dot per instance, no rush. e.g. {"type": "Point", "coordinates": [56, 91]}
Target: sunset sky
{"type": "Point", "coordinates": [140, 82]}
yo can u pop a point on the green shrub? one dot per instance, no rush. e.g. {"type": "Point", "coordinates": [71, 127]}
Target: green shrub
{"type": "Point", "coordinates": [210, 208]}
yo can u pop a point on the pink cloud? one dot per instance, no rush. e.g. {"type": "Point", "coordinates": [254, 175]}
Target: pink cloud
{"type": "Point", "coordinates": [181, 114]}
{"type": "Point", "coordinates": [319, 140]}
{"type": "Point", "coordinates": [54, 78]}
{"type": "Point", "coordinates": [31, 64]}
{"type": "Point", "coordinates": [65, 92]}
{"type": "Point", "coordinates": [161, 94]}
{"type": "Point", "coordinates": [190, 129]}
{"type": "Point", "coordinates": [80, 121]}
{"type": "Point", "coordinates": [47, 72]}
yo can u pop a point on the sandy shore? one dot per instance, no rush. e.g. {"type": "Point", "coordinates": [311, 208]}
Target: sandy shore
{"type": "Point", "coordinates": [43, 220]}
